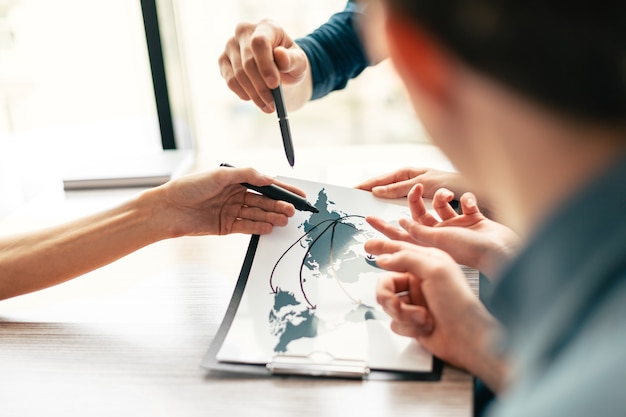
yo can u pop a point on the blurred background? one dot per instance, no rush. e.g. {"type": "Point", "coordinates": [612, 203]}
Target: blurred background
{"type": "Point", "coordinates": [73, 71]}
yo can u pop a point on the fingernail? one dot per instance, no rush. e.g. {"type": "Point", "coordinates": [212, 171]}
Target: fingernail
{"type": "Point", "coordinates": [470, 201]}
{"type": "Point", "coordinates": [272, 82]}
{"type": "Point", "coordinates": [380, 190]}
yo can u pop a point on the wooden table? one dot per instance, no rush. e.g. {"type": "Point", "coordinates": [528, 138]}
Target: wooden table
{"type": "Point", "coordinates": [128, 338]}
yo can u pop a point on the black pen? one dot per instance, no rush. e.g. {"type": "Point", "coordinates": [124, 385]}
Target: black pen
{"type": "Point", "coordinates": [283, 122]}
{"type": "Point", "coordinates": [278, 193]}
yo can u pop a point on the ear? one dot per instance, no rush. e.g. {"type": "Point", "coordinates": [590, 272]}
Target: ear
{"type": "Point", "coordinates": [420, 60]}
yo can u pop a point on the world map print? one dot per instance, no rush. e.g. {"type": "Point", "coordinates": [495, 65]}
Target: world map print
{"type": "Point", "coordinates": [331, 250]}
{"type": "Point", "coordinates": [308, 289]}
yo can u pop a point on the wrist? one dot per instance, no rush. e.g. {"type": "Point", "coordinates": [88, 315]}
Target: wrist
{"type": "Point", "coordinates": [498, 256]}
{"type": "Point", "coordinates": [156, 214]}
{"type": "Point", "coordinates": [482, 358]}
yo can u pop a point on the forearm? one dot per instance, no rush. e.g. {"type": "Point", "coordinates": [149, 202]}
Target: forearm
{"type": "Point", "coordinates": [335, 52]}
{"type": "Point", "coordinates": [38, 260]}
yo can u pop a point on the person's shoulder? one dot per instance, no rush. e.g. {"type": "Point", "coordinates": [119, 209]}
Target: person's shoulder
{"type": "Point", "coordinates": [586, 374]}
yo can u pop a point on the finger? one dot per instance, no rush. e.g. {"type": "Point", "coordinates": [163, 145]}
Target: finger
{"type": "Point", "coordinates": [244, 67]}
{"type": "Point", "coordinates": [434, 179]}
{"type": "Point", "coordinates": [387, 291]}
{"type": "Point", "coordinates": [407, 291]}
{"type": "Point", "coordinates": [264, 39]}
{"type": "Point", "coordinates": [265, 205]}
{"type": "Point", "coordinates": [232, 175]}
{"type": "Point", "coordinates": [398, 290]}
{"type": "Point", "coordinates": [258, 214]}
{"type": "Point", "coordinates": [419, 212]}
{"type": "Point", "coordinates": [468, 204]}
{"type": "Point", "coordinates": [384, 246]}
{"type": "Point", "coordinates": [387, 229]}
{"type": "Point", "coordinates": [261, 94]}
{"type": "Point", "coordinates": [418, 208]}
{"type": "Point", "coordinates": [226, 70]}
{"type": "Point", "coordinates": [423, 262]}
{"type": "Point", "coordinates": [396, 190]}
{"type": "Point", "coordinates": [250, 227]}
{"type": "Point", "coordinates": [241, 73]}
{"type": "Point", "coordinates": [253, 177]}
{"type": "Point", "coordinates": [389, 294]}
{"type": "Point", "coordinates": [231, 65]}
{"type": "Point", "coordinates": [376, 181]}
{"type": "Point", "coordinates": [392, 284]}
{"type": "Point", "coordinates": [410, 320]}
{"type": "Point", "coordinates": [291, 188]}
{"type": "Point", "coordinates": [413, 329]}
{"type": "Point", "coordinates": [415, 315]}
{"type": "Point", "coordinates": [389, 178]}
{"type": "Point", "coordinates": [441, 204]}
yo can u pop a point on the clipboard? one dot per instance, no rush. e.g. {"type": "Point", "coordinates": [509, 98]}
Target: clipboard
{"type": "Point", "coordinates": [245, 323]}
{"type": "Point", "coordinates": [297, 365]}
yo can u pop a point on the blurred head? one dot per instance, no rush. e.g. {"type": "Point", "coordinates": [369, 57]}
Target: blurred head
{"type": "Point", "coordinates": [568, 55]}
{"type": "Point", "coordinates": [527, 98]}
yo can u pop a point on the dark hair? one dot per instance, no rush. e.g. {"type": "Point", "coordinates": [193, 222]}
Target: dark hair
{"type": "Point", "coordinates": [570, 55]}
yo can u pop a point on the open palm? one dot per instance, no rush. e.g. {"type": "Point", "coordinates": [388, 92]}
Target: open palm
{"type": "Point", "coordinates": [469, 238]}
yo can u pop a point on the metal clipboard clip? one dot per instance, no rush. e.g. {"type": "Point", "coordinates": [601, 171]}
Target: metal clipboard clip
{"type": "Point", "coordinates": [318, 364]}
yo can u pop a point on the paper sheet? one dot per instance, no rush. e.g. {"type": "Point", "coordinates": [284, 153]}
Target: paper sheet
{"type": "Point", "coordinates": [311, 288]}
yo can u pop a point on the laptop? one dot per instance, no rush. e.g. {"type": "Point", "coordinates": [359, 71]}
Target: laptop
{"type": "Point", "coordinates": [176, 156]}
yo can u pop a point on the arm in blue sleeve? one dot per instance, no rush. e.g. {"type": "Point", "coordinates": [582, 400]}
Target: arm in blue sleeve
{"type": "Point", "coordinates": [335, 52]}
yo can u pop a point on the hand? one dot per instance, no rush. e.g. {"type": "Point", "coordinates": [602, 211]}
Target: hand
{"type": "Point", "coordinates": [470, 238]}
{"type": "Point", "coordinates": [440, 312]}
{"type": "Point", "coordinates": [259, 57]}
{"type": "Point", "coordinates": [216, 203]}
{"type": "Point", "coordinates": [398, 183]}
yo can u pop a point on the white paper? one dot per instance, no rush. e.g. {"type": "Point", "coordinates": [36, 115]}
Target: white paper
{"type": "Point", "coordinates": [315, 292]}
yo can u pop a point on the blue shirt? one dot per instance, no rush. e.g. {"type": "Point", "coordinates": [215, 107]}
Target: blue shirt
{"type": "Point", "coordinates": [563, 304]}
{"type": "Point", "coordinates": [335, 51]}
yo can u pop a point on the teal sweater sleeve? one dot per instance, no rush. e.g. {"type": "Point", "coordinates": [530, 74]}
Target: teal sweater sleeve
{"type": "Point", "coordinates": [335, 51]}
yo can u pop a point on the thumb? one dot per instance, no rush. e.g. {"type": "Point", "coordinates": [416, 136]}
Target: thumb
{"type": "Point", "coordinates": [291, 62]}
